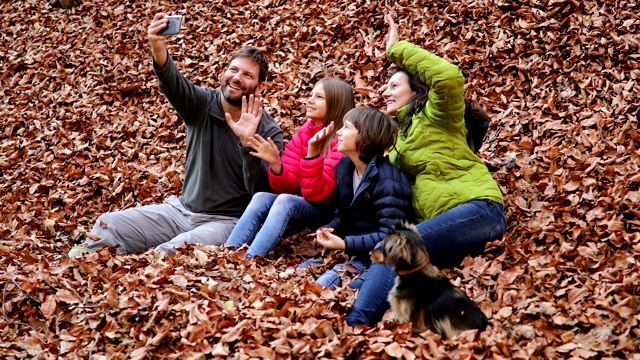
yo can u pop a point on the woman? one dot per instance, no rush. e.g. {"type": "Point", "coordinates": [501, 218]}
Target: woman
{"type": "Point", "coordinates": [306, 167]}
{"type": "Point", "coordinates": [457, 203]}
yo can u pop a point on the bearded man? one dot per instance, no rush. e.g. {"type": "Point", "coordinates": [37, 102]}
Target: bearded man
{"type": "Point", "coordinates": [220, 173]}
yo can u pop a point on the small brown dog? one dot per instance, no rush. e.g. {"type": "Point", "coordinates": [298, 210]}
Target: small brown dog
{"type": "Point", "coordinates": [422, 295]}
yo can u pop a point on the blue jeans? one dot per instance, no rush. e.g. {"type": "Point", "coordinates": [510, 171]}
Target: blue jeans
{"type": "Point", "coordinates": [331, 278]}
{"type": "Point", "coordinates": [448, 237]}
{"type": "Point", "coordinates": [265, 220]}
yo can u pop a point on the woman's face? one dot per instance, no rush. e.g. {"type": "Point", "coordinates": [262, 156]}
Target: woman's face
{"type": "Point", "coordinates": [317, 105]}
{"type": "Point", "coordinates": [398, 93]}
{"type": "Point", "coordinates": [347, 138]}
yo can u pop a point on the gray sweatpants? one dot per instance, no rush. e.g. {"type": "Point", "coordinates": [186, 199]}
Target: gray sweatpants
{"type": "Point", "coordinates": [163, 226]}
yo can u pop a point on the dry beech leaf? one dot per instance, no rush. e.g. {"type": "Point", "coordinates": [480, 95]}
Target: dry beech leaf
{"type": "Point", "coordinates": [393, 350]}
{"type": "Point", "coordinates": [94, 237]}
{"type": "Point", "coordinates": [67, 296]}
{"type": "Point", "coordinates": [48, 307]}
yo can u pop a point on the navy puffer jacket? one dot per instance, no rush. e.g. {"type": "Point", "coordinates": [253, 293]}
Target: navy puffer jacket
{"type": "Point", "coordinates": [383, 198]}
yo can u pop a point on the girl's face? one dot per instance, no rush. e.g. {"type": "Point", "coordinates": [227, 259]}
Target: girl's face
{"type": "Point", "coordinates": [398, 93]}
{"type": "Point", "coordinates": [347, 138]}
{"type": "Point", "coordinates": [317, 105]}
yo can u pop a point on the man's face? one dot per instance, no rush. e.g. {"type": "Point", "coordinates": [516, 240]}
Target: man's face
{"type": "Point", "coordinates": [240, 79]}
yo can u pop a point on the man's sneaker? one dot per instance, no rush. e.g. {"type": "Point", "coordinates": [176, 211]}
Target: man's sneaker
{"type": "Point", "coordinates": [79, 251]}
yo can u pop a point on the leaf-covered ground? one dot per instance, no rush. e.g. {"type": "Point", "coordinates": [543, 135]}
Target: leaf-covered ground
{"type": "Point", "coordinates": [85, 131]}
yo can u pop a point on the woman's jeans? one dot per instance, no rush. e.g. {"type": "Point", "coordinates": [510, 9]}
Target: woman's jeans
{"type": "Point", "coordinates": [448, 237]}
{"type": "Point", "coordinates": [265, 220]}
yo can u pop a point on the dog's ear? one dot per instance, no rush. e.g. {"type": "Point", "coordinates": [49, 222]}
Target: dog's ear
{"type": "Point", "coordinates": [405, 251]}
{"type": "Point", "coordinates": [420, 251]}
{"type": "Point", "coordinates": [405, 225]}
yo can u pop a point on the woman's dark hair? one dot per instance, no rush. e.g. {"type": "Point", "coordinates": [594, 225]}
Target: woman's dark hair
{"type": "Point", "coordinates": [417, 101]}
{"type": "Point", "coordinates": [477, 122]}
{"type": "Point", "coordinates": [339, 99]}
{"type": "Point", "coordinates": [476, 119]}
{"type": "Point", "coordinates": [376, 132]}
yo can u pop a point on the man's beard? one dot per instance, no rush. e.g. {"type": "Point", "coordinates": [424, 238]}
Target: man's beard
{"type": "Point", "coordinates": [236, 101]}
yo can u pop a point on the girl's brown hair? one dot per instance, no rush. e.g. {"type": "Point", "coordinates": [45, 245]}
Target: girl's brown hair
{"type": "Point", "coordinates": [339, 98]}
{"type": "Point", "coordinates": [376, 132]}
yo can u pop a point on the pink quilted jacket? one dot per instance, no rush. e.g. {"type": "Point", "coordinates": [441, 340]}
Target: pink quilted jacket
{"type": "Point", "coordinates": [314, 178]}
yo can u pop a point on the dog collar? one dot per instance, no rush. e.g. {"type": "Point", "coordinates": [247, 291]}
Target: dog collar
{"type": "Point", "coordinates": [412, 270]}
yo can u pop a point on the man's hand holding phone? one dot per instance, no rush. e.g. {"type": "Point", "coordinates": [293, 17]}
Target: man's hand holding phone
{"type": "Point", "coordinates": [173, 25]}
{"type": "Point", "coordinates": [161, 26]}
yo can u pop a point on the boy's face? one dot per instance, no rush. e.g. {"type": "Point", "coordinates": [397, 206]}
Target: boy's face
{"type": "Point", "coordinates": [240, 79]}
{"type": "Point", "coordinates": [347, 138]}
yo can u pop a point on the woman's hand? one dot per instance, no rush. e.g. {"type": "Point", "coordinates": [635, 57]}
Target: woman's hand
{"type": "Point", "coordinates": [325, 238]}
{"type": "Point", "coordinates": [392, 36]}
{"type": "Point", "coordinates": [267, 151]}
{"type": "Point", "coordinates": [316, 142]}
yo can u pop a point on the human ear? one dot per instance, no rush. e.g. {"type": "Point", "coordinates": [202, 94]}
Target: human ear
{"type": "Point", "coordinates": [259, 89]}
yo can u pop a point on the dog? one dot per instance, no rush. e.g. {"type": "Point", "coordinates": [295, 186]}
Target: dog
{"type": "Point", "coordinates": [422, 294]}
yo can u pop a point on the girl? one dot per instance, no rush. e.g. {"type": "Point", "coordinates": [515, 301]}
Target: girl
{"type": "Point", "coordinates": [457, 202]}
{"type": "Point", "coordinates": [306, 167]}
{"type": "Point", "coordinates": [372, 194]}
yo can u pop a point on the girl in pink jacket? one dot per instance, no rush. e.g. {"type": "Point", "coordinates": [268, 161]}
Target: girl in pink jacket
{"type": "Point", "coordinates": [303, 178]}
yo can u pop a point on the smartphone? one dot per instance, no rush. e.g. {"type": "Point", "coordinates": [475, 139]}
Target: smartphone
{"type": "Point", "coordinates": [174, 25]}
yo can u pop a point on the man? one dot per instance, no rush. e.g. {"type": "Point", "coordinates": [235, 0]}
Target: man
{"type": "Point", "coordinates": [220, 176]}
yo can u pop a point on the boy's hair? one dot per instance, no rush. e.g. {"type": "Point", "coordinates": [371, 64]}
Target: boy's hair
{"type": "Point", "coordinates": [376, 132]}
{"type": "Point", "coordinates": [339, 99]}
{"type": "Point", "coordinates": [257, 56]}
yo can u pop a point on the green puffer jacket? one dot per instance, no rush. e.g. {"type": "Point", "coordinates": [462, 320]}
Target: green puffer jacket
{"type": "Point", "coordinates": [433, 151]}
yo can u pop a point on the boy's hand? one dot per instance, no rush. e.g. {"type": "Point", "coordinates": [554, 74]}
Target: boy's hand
{"type": "Point", "coordinates": [325, 238]}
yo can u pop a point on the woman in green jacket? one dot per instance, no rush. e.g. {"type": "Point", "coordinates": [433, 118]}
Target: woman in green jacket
{"type": "Point", "coordinates": [458, 204]}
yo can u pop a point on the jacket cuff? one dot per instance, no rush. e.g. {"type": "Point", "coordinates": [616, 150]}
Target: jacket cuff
{"type": "Point", "coordinates": [273, 172]}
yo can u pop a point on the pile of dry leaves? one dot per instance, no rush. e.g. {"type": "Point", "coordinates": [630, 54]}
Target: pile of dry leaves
{"type": "Point", "coordinates": [86, 131]}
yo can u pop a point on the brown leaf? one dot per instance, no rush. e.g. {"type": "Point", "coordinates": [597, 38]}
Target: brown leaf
{"type": "Point", "coordinates": [48, 307]}
{"type": "Point", "coordinates": [94, 237]}
{"type": "Point", "coordinates": [139, 353]}
{"type": "Point", "coordinates": [67, 296]}
{"type": "Point", "coordinates": [393, 350]}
